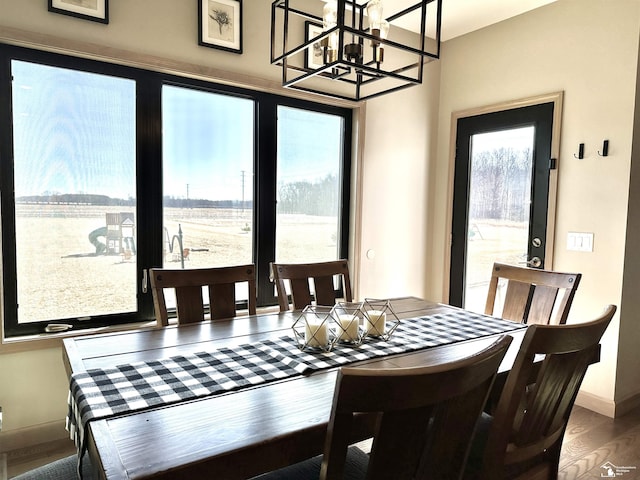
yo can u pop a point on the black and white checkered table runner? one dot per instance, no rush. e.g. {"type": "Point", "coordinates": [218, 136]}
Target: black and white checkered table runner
{"type": "Point", "coordinates": [100, 393]}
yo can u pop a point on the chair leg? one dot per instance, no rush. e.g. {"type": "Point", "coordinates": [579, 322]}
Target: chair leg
{"type": "Point", "coordinates": [553, 456]}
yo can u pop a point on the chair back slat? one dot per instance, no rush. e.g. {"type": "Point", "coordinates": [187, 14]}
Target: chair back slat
{"type": "Point", "coordinates": [532, 296]}
{"type": "Point", "coordinates": [393, 459]}
{"type": "Point", "coordinates": [300, 293]}
{"type": "Point", "coordinates": [457, 412]}
{"type": "Point", "coordinates": [516, 301]}
{"type": "Point", "coordinates": [534, 407]}
{"type": "Point", "coordinates": [310, 282]}
{"type": "Point", "coordinates": [543, 302]}
{"type": "Point", "coordinates": [550, 397]}
{"type": "Point", "coordinates": [189, 285]}
{"type": "Point", "coordinates": [224, 305]}
{"type": "Point", "coordinates": [324, 290]}
{"type": "Point", "coordinates": [189, 304]}
{"type": "Point", "coordinates": [425, 416]}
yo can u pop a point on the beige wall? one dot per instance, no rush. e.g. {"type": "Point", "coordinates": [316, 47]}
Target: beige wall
{"type": "Point", "coordinates": [400, 140]}
{"type": "Point", "coordinates": [165, 28]}
{"type": "Point", "coordinates": [569, 46]}
{"type": "Point", "coordinates": [629, 360]}
{"type": "Point", "coordinates": [34, 389]}
{"type": "Point", "coordinates": [589, 50]}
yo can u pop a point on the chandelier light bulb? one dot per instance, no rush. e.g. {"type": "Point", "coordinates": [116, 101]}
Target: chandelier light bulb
{"type": "Point", "coordinates": [330, 20]}
{"type": "Point", "coordinates": [330, 15]}
{"type": "Point", "coordinates": [384, 29]}
{"type": "Point", "coordinates": [374, 12]}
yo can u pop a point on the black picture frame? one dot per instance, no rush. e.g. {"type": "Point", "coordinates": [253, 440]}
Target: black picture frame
{"type": "Point", "coordinates": [220, 24]}
{"type": "Point", "coordinates": [313, 55]}
{"type": "Point", "coordinates": [94, 10]}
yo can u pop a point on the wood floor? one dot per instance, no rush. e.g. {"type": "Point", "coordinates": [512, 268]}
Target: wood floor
{"type": "Point", "coordinates": [591, 443]}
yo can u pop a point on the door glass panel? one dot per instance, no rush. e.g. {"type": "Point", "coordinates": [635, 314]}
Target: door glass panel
{"type": "Point", "coordinates": [208, 146]}
{"type": "Point", "coordinates": [75, 193]}
{"type": "Point", "coordinates": [308, 186]}
{"type": "Point", "coordinates": [500, 195]}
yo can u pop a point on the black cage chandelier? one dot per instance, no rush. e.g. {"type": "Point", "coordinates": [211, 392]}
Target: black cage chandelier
{"type": "Point", "coordinates": [348, 49]}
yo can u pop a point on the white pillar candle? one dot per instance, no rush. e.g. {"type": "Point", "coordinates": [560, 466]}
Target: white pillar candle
{"type": "Point", "coordinates": [316, 332]}
{"type": "Point", "coordinates": [377, 322]}
{"type": "Point", "coordinates": [349, 327]}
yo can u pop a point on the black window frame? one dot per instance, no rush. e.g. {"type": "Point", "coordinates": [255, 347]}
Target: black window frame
{"type": "Point", "coordinates": [149, 178]}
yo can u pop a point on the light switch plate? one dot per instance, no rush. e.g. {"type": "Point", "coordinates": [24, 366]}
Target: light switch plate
{"type": "Point", "coordinates": [580, 241]}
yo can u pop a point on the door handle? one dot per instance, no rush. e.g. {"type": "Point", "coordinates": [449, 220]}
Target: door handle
{"type": "Point", "coordinates": [145, 280]}
{"type": "Point", "coordinates": [535, 262]}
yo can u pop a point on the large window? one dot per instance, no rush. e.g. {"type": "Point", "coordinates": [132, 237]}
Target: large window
{"type": "Point", "coordinates": [107, 171]}
{"type": "Point", "coordinates": [308, 181]}
{"type": "Point", "coordinates": [207, 174]}
{"type": "Point", "coordinates": [74, 167]}
{"type": "Point", "coordinates": [207, 171]}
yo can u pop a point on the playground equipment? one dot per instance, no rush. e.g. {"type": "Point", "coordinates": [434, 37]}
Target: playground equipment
{"type": "Point", "coordinates": [183, 252]}
{"type": "Point", "coordinates": [117, 238]}
{"type": "Point", "coordinates": [118, 235]}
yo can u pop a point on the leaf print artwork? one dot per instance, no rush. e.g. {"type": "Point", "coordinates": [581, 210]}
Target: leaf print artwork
{"type": "Point", "coordinates": [222, 19]}
{"type": "Point", "coordinates": [220, 24]}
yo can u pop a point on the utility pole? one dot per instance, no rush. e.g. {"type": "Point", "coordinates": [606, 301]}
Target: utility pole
{"type": "Point", "coordinates": [242, 173]}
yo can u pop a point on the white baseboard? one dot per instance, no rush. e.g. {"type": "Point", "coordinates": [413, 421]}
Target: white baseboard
{"type": "Point", "coordinates": [607, 407]}
{"type": "Point", "coordinates": [600, 405]}
{"type": "Point", "coordinates": [32, 436]}
{"type": "Point", "coordinates": [626, 405]}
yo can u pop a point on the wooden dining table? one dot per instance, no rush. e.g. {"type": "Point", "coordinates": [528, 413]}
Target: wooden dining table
{"type": "Point", "coordinates": [236, 434]}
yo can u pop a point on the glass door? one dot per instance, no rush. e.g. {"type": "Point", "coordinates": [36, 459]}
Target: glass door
{"type": "Point", "coordinates": [500, 197]}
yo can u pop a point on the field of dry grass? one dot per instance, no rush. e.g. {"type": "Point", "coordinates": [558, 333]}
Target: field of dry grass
{"type": "Point", "coordinates": [489, 242]}
{"type": "Point", "coordinates": [60, 275]}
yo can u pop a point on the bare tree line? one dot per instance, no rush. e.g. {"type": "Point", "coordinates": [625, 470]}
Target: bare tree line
{"type": "Point", "coordinates": [501, 184]}
{"type": "Point", "coordinates": [320, 198]}
{"type": "Point", "coordinates": [310, 198]}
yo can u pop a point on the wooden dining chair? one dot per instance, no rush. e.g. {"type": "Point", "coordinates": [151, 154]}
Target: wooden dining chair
{"type": "Point", "coordinates": [189, 286]}
{"type": "Point", "coordinates": [62, 469]}
{"type": "Point", "coordinates": [300, 276]}
{"type": "Point", "coordinates": [425, 418]}
{"type": "Point", "coordinates": [523, 437]}
{"type": "Point", "coordinates": [531, 295]}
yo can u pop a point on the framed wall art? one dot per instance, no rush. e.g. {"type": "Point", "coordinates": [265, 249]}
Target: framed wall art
{"type": "Point", "coordinates": [95, 10]}
{"type": "Point", "coordinates": [313, 58]}
{"type": "Point", "coordinates": [220, 24]}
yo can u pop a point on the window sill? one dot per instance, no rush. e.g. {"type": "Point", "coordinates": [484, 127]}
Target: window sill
{"type": "Point", "coordinates": [53, 340]}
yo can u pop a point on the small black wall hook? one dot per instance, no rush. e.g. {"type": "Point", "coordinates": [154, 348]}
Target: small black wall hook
{"type": "Point", "coordinates": [605, 149]}
{"type": "Point", "coordinates": [580, 152]}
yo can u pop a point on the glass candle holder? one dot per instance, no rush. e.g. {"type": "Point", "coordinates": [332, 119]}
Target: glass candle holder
{"type": "Point", "coordinates": [380, 320]}
{"type": "Point", "coordinates": [349, 319]}
{"type": "Point", "coordinates": [313, 329]}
